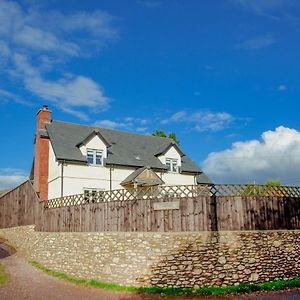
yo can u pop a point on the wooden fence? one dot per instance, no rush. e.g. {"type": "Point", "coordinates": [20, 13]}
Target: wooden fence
{"type": "Point", "coordinates": [132, 215]}
{"type": "Point", "coordinates": [202, 213]}
{"type": "Point", "coordinates": [174, 212]}
{"type": "Point", "coordinates": [20, 206]}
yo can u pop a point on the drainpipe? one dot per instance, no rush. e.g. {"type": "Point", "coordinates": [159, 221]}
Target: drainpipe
{"type": "Point", "coordinates": [110, 178]}
{"type": "Point", "coordinates": [62, 180]}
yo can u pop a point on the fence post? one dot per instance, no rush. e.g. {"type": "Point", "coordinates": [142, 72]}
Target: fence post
{"type": "Point", "coordinates": [213, 212]}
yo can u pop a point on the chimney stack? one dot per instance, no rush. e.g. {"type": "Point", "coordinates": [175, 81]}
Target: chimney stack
{"type": "Point", "coordinates": [41, 153]}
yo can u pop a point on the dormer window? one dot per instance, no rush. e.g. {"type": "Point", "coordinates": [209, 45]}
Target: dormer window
{"type": "Point", "coordinates": [94, 157]}
{"type": "Point", "coordinates": [172, 165]}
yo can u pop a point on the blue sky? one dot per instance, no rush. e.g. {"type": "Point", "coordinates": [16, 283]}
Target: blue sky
{"type": "Point", "coordinates": [222, 74]}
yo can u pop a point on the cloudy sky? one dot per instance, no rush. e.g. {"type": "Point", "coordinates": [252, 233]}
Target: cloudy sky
{"type": "Point", "coordinates": [223, 74]}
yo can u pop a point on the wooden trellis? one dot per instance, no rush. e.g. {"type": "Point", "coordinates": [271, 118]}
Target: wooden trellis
{"type": "Point", "coordinates": [173, 191]}
{"type": "Point", "coordinates": [254, 190]}
{"type": "Point", "coordinates": [176, 191]}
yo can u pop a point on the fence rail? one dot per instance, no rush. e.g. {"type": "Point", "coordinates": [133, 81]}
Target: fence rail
{"type": "Point", "coordinates": [176, 191]}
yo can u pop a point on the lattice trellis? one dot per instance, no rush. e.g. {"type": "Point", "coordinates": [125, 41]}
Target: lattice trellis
{"type": "Point", "coordinates": [175, 191]}
{"type": "Point", "coordinates": [254, 190]}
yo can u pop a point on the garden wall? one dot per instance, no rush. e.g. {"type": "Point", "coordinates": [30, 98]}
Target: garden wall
{"type": "Point", "coordinates": [186, 259]}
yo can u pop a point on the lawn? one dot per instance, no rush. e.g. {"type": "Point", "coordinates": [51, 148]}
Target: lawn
{"type": "Point", "coordinates": [3, 275]}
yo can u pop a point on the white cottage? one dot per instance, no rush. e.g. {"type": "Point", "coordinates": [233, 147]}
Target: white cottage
{"type": "Point", "coordinates": [74, 159]}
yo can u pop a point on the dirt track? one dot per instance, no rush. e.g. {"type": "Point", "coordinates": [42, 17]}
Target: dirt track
{"type": "Point", "coordinates": [27, 282]}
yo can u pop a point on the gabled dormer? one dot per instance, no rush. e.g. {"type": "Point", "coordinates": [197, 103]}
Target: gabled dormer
{"type": "Point", "coordinates": [94, 148]}
{"type": "Point", "coordinates": [170, 156]}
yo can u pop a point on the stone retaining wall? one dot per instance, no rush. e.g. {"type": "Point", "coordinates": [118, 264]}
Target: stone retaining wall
{"type": "Point", "coordinates": [164, 259]}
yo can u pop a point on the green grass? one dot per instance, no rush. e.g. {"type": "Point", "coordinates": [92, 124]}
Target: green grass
{"type": "Point", "coordinates": [205, 291]}
{"type": "Point", "coordinates": [3, 275]}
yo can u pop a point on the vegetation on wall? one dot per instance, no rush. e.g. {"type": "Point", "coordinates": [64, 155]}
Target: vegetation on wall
{"type": "Point", "coordinates": [3, 275]}
{"type": "Point", "coordinates": [213, 290]}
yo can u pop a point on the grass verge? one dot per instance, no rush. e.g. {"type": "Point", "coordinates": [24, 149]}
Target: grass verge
{"type": "Point", "coordinates": [3, 275]}
{"type": "Point", "coordinates": [275, 285]}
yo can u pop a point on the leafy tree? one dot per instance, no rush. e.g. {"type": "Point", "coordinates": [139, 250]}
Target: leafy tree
{"type": "Point", "coordinates": [172, 136]}
{"type": "Point", "coordinates": [161, 133]}
{"type": "Point", "coordinates": [263, 190]}
{"type": "Point", "coordinates": [273, 183]}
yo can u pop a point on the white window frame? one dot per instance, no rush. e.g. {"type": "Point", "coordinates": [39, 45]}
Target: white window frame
{"type": "Point", "coordinates": [95, 152]}
{"type": "Point", "coordinates": [173, 162]}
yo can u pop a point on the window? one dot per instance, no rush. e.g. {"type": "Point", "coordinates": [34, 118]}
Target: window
{"type": "Point", "coordinates": [172, 165]}
{"type": "Point", "coordinates": [94, 157]}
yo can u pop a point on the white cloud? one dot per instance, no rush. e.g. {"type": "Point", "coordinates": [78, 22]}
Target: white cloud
{"type": "Point", "coordinates": [281, 87]}
{"type": "Point", "coordinates": [98, 24]}
{"type": "Point", "coordinates": [6, 96]}
{"type": "Point", "coordinates": [202, 120]}
{"type": "Point", "coordinates": [34, 41]}
{"type": "Point", "coordinates": [129, 123]}
{"type": "Point", "coordinates": [275, 157]}
{"type": "Point", "coordinates": [53, 31]}
{"type": "Point", "coordinates": [258, 42]}
{"type": "Point", "coordinates": [110, 124]}
{"type": "Point", "coordinates": [4, 50]}
{"type": "Point", "coordinates": [10, 178]}
{"type": "Point", "coordinates": [265, 8]}
{"type": "Point", "coordinates": [141, 129]}
{"type": "Point", "coordinates": [150, 3]}
{"type": "Point", "coordinates": [42, 40]}
{"type": "Point", "coordinates": [68, 93]}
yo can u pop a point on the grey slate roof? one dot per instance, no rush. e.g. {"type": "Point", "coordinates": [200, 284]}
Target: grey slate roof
{"type": "Point", "coordinates": [202, 178]}
{"type": "Point", "coordinates": [127, 149]}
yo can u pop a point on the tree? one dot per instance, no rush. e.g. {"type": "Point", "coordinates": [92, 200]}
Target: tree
{"type": "Point", "coordinates": [172, 136]}
{"type": "Point", "coordinates": [273, 183]}
{"type": "Point", "coordinates": [161, 133]}
{"type": "Point", "coordinates": [268, 189]}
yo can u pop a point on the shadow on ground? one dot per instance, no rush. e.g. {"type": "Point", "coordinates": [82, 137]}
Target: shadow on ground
{"type": "Point", "coordinates": [5, 249]}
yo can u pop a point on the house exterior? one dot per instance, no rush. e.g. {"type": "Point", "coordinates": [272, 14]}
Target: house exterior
{"type": "Point", "coordinates": [74, 159]}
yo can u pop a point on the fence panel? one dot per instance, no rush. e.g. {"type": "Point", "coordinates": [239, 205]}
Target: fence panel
{"type": "Point", "coordinates": [220, 207]}
{"type": "Point", "coordinates": [21, 206]}
{"type": "Point", "coordinates": [132, 215]}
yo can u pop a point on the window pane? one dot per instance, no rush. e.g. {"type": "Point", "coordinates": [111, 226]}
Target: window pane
{"type": "Point", "coordinates": [98, 158]}
{"type": "Point", "coordinates": [168, 165]}
{"type": "Point", "coordinates": [90, 157]}
{"type": "Point", "coordinates": [175, 166]}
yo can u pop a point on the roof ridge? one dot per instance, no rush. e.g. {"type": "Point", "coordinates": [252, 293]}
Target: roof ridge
{"type": "Point", "coordinates": [116, 130]}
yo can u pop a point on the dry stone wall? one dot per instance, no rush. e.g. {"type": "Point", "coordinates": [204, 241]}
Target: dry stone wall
{"type": "Point", "coordinates": [164, 259]}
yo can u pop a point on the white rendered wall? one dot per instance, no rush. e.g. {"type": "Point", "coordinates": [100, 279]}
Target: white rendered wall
{"type": "Point", "coordinates": [54, 168]}
{"type": "Point", "coordinates": [171, 153]}
{"type": "Point", "coordinates": [78, 177]}
{"type": "Point", "coordinates": [95, 143]}
{"type": "Point", "coordinates": [178, 179]}
{"type": "Point", "coordinates": [54, 175]}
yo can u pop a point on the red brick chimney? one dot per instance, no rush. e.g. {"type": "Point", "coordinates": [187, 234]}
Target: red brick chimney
{"type": "Point", "coordinates": [41, 153]}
